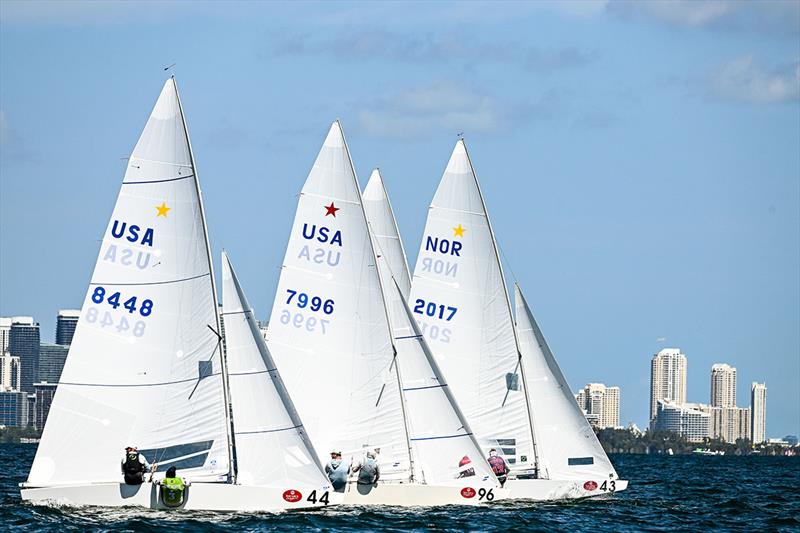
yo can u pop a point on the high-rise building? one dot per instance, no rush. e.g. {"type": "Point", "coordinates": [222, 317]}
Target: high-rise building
{"type": "Point", "coordinates": [13, 409]}
{"type": "Point", "coordinates": [24, 343]}
{"type": "Point", "coordinates": [723, 385]}
{"type": "Point", "coordinates": [729, 423]}
{"type": "Point", "coordinates": [688, 420]}
{"type": "Point", "coordinates": [600, 404]}
{"type": "Point", "coordinates": [65, 327]}
{"type": "Point", "coordinates": [44, 399]}
{"type": "Point", "coordinates": [667, 379]}
{"type": "Point", "coordinates": [10, 373]}
{"type": "Point", "coordinates": [51, 362]}
{"type": "Point", "coordinates": [5, 334]}
{"type": "Point", "coordinates": [758, 412]}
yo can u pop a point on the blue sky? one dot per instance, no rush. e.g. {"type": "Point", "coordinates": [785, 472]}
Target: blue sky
{"type": "Point", "coordinates": [640, 160]}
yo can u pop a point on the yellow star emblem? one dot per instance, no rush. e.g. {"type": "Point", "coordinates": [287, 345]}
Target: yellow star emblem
{"type": "Point", "coordinates": [458, 231]}
{"type": "Point", "coordinates": [162, 210]}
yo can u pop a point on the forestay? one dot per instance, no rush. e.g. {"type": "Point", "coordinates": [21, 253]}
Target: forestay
{"type": "Point", "coordinates": [144, 367]}
{"type": "Point", "coordinates": [388, 243]}
{"type": "Point", "coordinates": [328, 330]}
{"type": "Point", "coordinates": [567, 445]}
{"type": "Point", "coordinates": [272, 447]}
{"type": "Point", "coordinates": [459, 298]}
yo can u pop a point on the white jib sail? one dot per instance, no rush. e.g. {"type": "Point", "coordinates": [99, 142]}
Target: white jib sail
{"type": "Point", "coordinates": [328, 331]}
{"type": "Point", "coordinates": [384, 230]}
{"type": "Point", "coordinates": [272, 447]}
{"type": "Point", "coordinates": [144, 368]}
{"type": "Point", "coordinates": [567, 446]}
{"type": "Point", "coordinates": [459, 299]}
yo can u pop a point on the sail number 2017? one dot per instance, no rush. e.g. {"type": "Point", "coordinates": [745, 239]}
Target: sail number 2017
{"type": "Point", "coordinates": [440, 311]}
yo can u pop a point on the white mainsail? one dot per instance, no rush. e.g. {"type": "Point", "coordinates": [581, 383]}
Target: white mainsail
{"type": "Point", "coordinates": [460, 300]}
{"type": "Point", "coordinates": [567, 445]}
{"type": "Point", "coordinates": [272, 447]}
{"type": "Point", "coordinates": [386, 236]}
{"type": "Point", "coordinates": [144, 367]}
{"type": "Point", "coordinates": [329, 331]}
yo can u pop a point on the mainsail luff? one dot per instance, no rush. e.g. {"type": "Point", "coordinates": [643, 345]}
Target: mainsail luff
{"type": "Point", "coordinates": [218, 331]}
{"type": "Point", "coordinates": [510, 313]}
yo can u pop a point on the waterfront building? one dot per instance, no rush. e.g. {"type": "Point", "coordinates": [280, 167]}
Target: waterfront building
{"type": "Point", "coordinates": [723, 385]}
{"type": "Point", "coordinates": [13, 409]}
{"type": "Point", "coordinates": [24, 343]}
{"type": "Point", "coordinates": [66, 324]}
{"type": "Point", "coordinates": [687, 420]}
{"type": "Point", "coordinates": [758, 412]}
{"type": "Point", "coordinates": [600, 404]}
{"type": "Point", "coordinates": [44, 398]}
{"type": "Point", "coordinates": [51, 361]}
{"type": "Point", "coordinates": [10, 372]}
{"type": "Point", "coordinates": [729, 423]}
{"type": "Point", "coordinates": [5, 334]}
{"type": "Point", "coordinates": [667, 379]}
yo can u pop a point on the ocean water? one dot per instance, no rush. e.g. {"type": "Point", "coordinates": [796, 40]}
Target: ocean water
{"type": "Point", "coordinates": [677, 493]}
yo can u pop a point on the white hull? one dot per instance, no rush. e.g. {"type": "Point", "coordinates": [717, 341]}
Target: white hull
{"type": "Point", "coordinates": [199, 496]}
{"type": "Point", "coordinates": [554, 489]}
{"type": "Point", "coordinates": [417, 495]}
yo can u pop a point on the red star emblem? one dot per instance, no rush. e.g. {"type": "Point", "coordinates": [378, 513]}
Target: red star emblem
{"type": "Point", "coordinates": [331, 209]}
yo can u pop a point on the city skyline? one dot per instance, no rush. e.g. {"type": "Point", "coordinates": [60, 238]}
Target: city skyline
{"type": "Point", "coordinates": [635, 193]}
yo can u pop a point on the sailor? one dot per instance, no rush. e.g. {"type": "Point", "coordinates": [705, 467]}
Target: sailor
{"type": "Point", "coordinates": [337, 471]}
{"type": "Point", "coordinates": [368, 471]}
{"type": "Point", "coordinates": [463, 470]}
{"type": "Point", "coordinates": [134, 465]}
{"type": "Point", "coordinates": [173, 488]}
{"type": "Point", "coordinates": [499, 466]}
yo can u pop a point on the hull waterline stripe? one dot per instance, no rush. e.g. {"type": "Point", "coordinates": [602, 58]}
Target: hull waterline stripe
{"type": "Point", "coordinates": [267, 430]}
{"type": "Point", "coordinates": [428, 387]}
{"type": "Point", "coordinates": [153, 282]}
{"type": "Point", "coordinates": [444, 437]}
{"type": "Point", "coordinates": [157, 181]}
{"type": "Point", "coordinates": [190, 380]}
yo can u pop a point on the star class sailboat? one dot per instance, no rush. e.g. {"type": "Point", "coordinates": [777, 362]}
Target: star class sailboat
{"type": "Point", "coordinates": [460, 299]}
{"type": "Point", "coordinates": [329, 334]}
{"type": "Point", "coordinates": [146, 366]}
{"type": "Point", "coordinates": [438, 431]}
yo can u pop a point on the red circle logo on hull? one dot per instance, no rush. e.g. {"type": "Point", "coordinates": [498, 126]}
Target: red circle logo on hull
{"type": "Point", "coordinates": [292, 496]}
{"type": "Point", "coordinates": [468, 492]}
{"type": "Point", "coordinates": [590, 485]}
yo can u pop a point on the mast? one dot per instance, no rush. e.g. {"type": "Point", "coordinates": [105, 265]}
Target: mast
{"type": "Point", "coordinates": [383, 301]}
{"type": "Point", "coordinates": [223, 360]}
{"type": "Point", "coordinates": [510, 313]}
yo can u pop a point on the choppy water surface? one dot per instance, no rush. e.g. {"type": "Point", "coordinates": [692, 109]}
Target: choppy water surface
{"type": "Point", "coordinates": [687, 493]}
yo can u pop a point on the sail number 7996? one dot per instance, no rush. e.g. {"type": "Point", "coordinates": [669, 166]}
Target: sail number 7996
{"type": "Point", "coordinates": [315, 303]}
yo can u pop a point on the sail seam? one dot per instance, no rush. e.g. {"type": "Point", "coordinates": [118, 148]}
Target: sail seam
{"type": "Point", "coordinates": [190, 380]}
{"type": "Point", "coordinates": [267, 430]}
{"type": "Point", "coordinates": [154, 282]}
{"type": "Point", "coordinates": [459, 210]}
{"type": "Point", "coordinates": [427, 387]}
{"type": "Point", "coordinates": [157, 181]}
{"type": "Point", "coordinates": [443, 437]}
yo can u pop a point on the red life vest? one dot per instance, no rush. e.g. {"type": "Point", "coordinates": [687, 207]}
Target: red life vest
{"type": "Point", "coordinates": [498, 465]}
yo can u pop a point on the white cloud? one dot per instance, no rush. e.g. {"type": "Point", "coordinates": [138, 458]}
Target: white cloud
{"type": "Point", "coordinates": [439, 107]}
{"type": "Point", "coordinates": [744, 79]}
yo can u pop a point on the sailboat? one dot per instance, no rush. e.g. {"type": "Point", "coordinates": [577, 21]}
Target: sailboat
{"type": "Point", "coordinates": [461, 303]}
{"type": "Point", "coordinates": [146, 366]}
{"type": "Point", "coordinates": [330, 335]}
